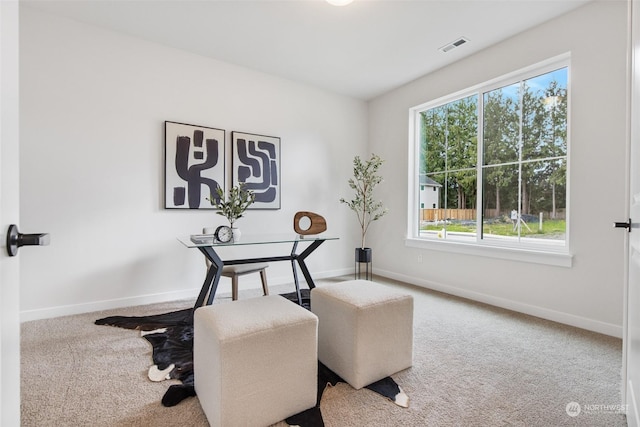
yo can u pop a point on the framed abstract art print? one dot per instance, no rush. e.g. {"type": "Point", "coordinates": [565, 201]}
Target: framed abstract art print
{"type": "Point", "coordinates": [194, 165]}
{"type": "Point", "coordinates": [255, 162]}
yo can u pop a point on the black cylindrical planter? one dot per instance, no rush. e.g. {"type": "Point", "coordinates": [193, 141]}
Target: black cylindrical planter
{"type": "Point", "coordinates": [364, 256]}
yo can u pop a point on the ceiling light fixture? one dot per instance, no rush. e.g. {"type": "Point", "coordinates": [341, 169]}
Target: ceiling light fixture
{"type": "Point", "coordinates": [339, 2]}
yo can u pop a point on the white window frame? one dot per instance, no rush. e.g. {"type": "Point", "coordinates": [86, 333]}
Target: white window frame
{"type": "Point", "coordinates": [550, 254]}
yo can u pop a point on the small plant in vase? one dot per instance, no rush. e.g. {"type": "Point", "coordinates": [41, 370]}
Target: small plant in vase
{"type": "Point", "coordinates": [364, 181]}
{"type": "Point", "coordinates": [233, 205]}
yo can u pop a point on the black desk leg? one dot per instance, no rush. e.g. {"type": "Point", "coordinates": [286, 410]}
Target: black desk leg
{"type": "Point", "coordinates": [212, 279]}
{"type": "Point", "coordinates": [305, 271]}
{"type": "Point", "coordinates": [295, 273]}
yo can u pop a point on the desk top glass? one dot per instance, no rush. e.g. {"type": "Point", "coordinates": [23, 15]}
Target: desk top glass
{"type": "Point", "coordinates": [198, 240]}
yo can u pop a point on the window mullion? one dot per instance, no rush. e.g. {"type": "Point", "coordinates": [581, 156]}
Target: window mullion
{"type": "Point", "coordinates": [446, 167]}
{"type": "Point", "coordinates": [479, 169]}
{"type": "Point", "coordinates": [520, 146]}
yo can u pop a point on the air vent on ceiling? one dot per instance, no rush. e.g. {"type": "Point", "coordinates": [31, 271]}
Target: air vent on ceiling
{"type": "Point", "coordinates": [455, 44]}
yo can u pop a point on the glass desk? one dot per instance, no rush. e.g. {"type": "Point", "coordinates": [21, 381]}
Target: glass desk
{"type": "Point", "coordinates": [207, 245]}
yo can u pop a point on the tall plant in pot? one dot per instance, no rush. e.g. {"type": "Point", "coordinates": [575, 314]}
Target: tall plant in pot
{"type": "Point", "coordinates": [364, 181]}
{"type": "Point", "coordinates": [233, 205]}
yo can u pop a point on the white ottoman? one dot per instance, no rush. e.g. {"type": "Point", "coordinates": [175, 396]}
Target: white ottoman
{"type": "Point", "coordinates": [255, 361]}
{"type": "Point", "coordinates": [365, 330]}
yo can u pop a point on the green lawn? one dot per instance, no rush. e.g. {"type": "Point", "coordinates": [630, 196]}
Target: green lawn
{"type": "Point", "coordinates": [549, 228]}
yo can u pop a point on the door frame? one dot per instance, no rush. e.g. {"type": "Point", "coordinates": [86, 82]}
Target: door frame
{"type": "Point", "coordinates": [9, 213]}
{"type": "Point", "coordinates": [633, 140]}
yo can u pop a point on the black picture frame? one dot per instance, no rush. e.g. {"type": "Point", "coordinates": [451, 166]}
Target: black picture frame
{"type": "Point", "coordinates": [194, 165]}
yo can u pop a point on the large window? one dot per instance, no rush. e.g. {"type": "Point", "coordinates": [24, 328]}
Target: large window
{"type": "Point", "coordinates": [490, 163]}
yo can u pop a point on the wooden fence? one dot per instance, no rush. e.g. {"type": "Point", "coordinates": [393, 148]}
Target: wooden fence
{"type": "Point", "coordinates": [470, 214]}
{"type": "Point", "coordinates": [439, 214]}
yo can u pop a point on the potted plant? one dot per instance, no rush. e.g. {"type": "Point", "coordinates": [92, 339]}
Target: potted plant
{"type": "Point", "coordinates": [367, 209]}
{"type": "Point", "coordinates": [233, 206]}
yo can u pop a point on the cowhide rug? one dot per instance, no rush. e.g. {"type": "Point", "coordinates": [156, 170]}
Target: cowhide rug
{"type": "Point", "coordinates": [171, 336]}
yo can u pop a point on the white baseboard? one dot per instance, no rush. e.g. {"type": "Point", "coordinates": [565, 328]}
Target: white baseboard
{"type": "Point", "coordinates": [67, 310]}
{"type": "Point", "coordinates": [88, 307]}
{"type": "Point", "coordinates": [544, 313]}
{"type": "Point", "coordinates": [568, 319]}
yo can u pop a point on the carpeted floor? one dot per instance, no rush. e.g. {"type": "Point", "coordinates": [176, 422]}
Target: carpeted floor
{"type": "Point", "coordinates": [474, 365]}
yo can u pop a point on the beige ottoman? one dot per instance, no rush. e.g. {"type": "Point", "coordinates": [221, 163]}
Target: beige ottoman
{"type": "Point", "coordinates": [255, 361]}
{"type": "Point", "coordinates": [365, 330]}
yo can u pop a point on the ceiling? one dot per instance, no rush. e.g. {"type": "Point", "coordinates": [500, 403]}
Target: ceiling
{"type": "Point", "coordinates": [360, 50]}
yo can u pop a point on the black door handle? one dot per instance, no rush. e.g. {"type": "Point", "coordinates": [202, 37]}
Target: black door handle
{"type": "Point", "coordinates": [626, 225]}
{"type": "Point", "coordinates": [15, 239]}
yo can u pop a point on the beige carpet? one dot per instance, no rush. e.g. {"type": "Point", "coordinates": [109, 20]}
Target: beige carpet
{"type": "Point", "coordinates": [474, 365]}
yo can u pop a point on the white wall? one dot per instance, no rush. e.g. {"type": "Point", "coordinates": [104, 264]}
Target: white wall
{"type": "Point", "coordinates": [93, 106]}
{"type": "Point", "coordinates": [590, 293]}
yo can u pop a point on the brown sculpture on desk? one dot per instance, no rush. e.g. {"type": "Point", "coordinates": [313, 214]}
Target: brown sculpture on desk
{"type": "Point", "coordinates": [317, 226]}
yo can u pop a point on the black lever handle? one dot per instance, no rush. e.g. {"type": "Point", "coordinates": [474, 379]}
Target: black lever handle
{"type": "Point", "coordinates": [626, 225]}
{"type": "Point", "coordinates": [15, 239]}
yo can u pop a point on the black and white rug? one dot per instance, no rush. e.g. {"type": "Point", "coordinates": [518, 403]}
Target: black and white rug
{"type": "Point", "coordinates": [171, 337]}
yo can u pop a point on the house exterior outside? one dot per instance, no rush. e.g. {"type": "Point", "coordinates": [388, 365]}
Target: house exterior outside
{"type": "Point", "coordinates": [429, 193]}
